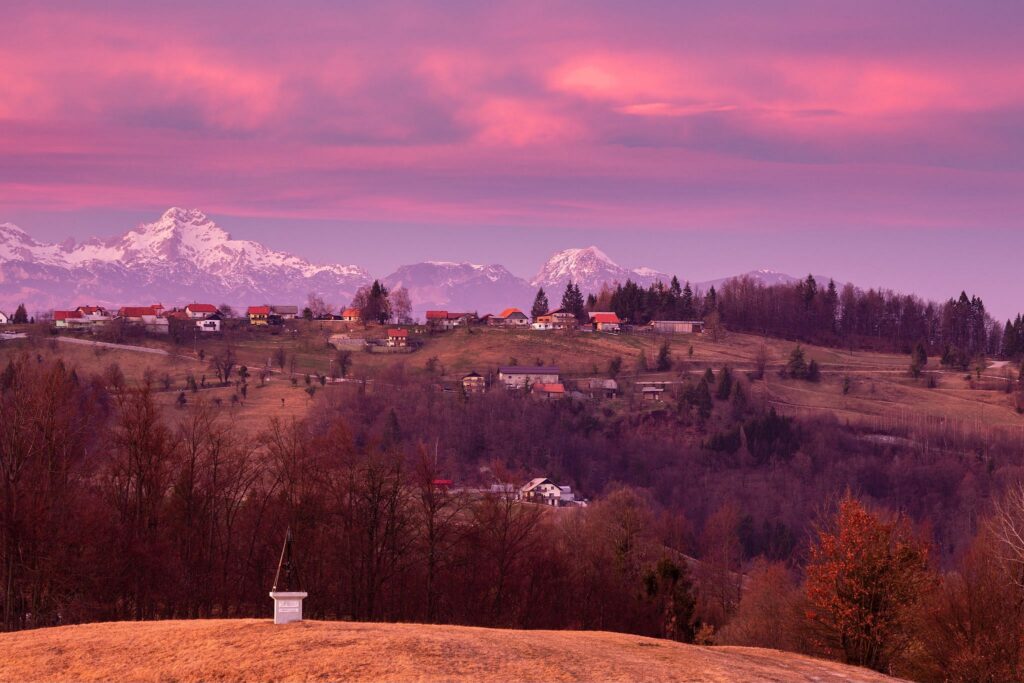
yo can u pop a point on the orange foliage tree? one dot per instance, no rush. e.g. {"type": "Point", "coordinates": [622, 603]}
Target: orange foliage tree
{"type": "Point", "coordinates": [865, 578]}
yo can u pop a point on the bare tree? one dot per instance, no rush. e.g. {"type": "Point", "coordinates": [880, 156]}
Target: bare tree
{"type": "Point", "coordinates": [223, 362]}
{"type": "Point", "coordinates": [1008, 529]}
{"type": "Point", "coordinates": [317, 306]}
{"type": "Point", "coordinates": [401, 306]}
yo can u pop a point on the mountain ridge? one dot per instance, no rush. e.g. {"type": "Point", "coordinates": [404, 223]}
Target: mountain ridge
{"type": "Point", "coordinates": [185, 256]}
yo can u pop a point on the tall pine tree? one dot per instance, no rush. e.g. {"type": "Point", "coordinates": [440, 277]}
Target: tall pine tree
{"type": "Point", "coordinates": [540, 304]}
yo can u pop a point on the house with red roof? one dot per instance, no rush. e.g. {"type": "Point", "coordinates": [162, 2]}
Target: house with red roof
{"type": "Point", "coordinates": [398, 337]}
{"type": "Point", "coordinates": [548, 390]}
{"type": "Point", "coordinates": [352, 315]}
{"type": "Point", "coordinates": [258, 315]}
{"type": "Point", "coordinates": [67, 319]}
{"type": "Point", "coordinates": [200, 311]}
{"type": "Point", "coordinates": [510, 317]}
{"type": "Point", "coordinates": [605, 321]}
{"type": "Point", "coordinates": [447, 320]}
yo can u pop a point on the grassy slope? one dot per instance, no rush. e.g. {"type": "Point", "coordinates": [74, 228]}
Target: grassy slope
{"type": "Point", "coordinates": [215, 650]}
{"type": "Point", "coordinates": [880, 387]}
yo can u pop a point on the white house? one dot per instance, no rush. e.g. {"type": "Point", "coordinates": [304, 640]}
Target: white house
{"type": "Point", "coordinates": [68, 319]}
{"type": "Point", "coordinates": [212, 325]}
{"type": "Point", "coordinates": [518, 376]}
{"type": "Point", "coordinates": [510, 317]}
{"type": "Point", "coordinates": [94, 315]}
{"type": "Point", "coordinates": [546, 492]}
{"type": "Point", "coordinates": [200, 311]}
{"type": "Point", "coordinates": [4, 319]}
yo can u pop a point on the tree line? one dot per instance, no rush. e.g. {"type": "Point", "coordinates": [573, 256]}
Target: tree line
{"type": "Point", "coordinates": [116, 508]}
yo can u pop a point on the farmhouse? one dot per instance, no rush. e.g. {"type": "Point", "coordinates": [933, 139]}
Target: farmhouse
{"type": "Point", "coordinates": [285, 312]}
{"type": "Point", "coordinates": [95, 315]}
{"type": "Point", "coordinates": [556, 390]}
{"type": "Point", "coordinates": [599, 388]}
{"type": "Point", "coordinates": [200, 311]}
{"type": "Point", "coordinates": [4, 318]}
{"type": "Point", "coordinates": [677, 326]}
{"type": "Point", "coordinates": [67, 319]}
{"type": "Point", "coordinates": [446, 320]}
{"type": "Point", "coordinates": [146, 316]}
{"type": "Point", "coordinates": [398, 337]}
{"type": "Point", "coordinates": [546, 492]}
{"type": "Point", "coordinates": [555, 320]}
{"type": "Point", "coordinates": [351, 315]}
{"type": "Point", "coordinates": [510, 317]}
{"type": "Point", "coordinates": [518, 376]}
{"type": "Point", "coordinates": [258, 315]}
{"type": "Point", "coordinates": [474, 383]}
{"type": "Point", "coordinates": [208, 325]}
{"type": "Point", "coordinates": [605, 322]}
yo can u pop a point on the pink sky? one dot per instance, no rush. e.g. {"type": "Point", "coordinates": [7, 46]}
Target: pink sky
{"type": "Point", "coordinates": [634, 122]}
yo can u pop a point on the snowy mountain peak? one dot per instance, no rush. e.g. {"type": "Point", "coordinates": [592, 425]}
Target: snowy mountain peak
{"type": "Point", "coordinates": [590, 268]}
{"type": "Point", "coordinates": [183, 254]}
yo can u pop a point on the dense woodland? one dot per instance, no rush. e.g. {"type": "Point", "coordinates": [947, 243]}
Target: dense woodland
{"type": "Point", "coordinates": [896, 553]}
{"type": "Point", "coordinates": [957, 331]}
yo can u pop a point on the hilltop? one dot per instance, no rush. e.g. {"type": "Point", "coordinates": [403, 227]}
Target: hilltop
{"type": "Point", "coordinates": [250, 649]}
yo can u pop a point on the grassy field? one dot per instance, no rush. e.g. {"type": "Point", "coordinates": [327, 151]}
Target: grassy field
{"type": "Point", "coordinates": [856, 387]}
{"type": "Point", "coordinates": [256, 650]}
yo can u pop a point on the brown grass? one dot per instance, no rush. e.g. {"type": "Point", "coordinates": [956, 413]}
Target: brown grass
{"type": "Point", "coordinates": [256, 650]}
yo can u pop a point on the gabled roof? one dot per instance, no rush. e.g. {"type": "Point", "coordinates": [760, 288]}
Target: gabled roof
{"type": "Point", "coordinates": [556, 311]}
{"type": "Point", "coordinates": [67, 315]}
{"type": "Point", "coordinates": [437, 315]}
{"type": "Point", "coordinates": [510, 311]}
{"type": "Point", "coordinates": [351, 313]}
{"type": "Point", "coordinates": [472, 374]}
{"type": "Point", "coordinates": [398, 333]}
{"type": "Point", "coordinates": [201, 308]}
{"type": "Point", "coordinates": [136, 311]}
{"type": "Point", "coordinates": [177, 315]}
{"type": "Point", "coordinates": [548, 388]}
{"type": "Point", "coordinates": [605, 318]}
{"type": "Point", "coordinates": [284, 310]}
{"type": "Point", "coordinates": [529, 370]}
{"type": "Point", "coordinates": [258, 310]}
{"type": "Point", "coordinates": [534, 483]}
{"type": "Point", "coordinates": [89, 310]}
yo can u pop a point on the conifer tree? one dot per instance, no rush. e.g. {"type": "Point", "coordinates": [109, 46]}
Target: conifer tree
{"type": "Point", "coordinates": [540, 304]}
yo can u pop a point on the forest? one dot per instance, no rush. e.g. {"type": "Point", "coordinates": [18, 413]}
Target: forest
{"type": "Point", "coordinates": [957, 330]}
{"type": "Point", "coordinates": [712, 519]}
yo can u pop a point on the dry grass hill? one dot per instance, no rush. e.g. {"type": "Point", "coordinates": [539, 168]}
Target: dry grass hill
{"type": "Point", "coordinates": [256, 650]}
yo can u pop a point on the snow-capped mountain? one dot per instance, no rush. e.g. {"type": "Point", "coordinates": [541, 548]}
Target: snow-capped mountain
{"type": "Point", "coordinates": [589, 268]}
{"type": "Point", "coordinates": [183, 256]}
{"type": "Point", "coordinates": [463, 287]}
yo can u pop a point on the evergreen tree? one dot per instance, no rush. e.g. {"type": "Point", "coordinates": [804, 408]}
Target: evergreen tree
{"type": "Point", "coordinates": [664, 362]}
{"type": "Point", "coordinates": [813, 372]}
{"type": "Point", "coordinates": [797, 365]}
{"type": "Point", "coordinates": [686, 308]}
{"type": "Point", "coordinates": [710, 302]}
{"type": "Point", "coordinates": [572, 301]}
{"type": "Point", "coordinates": [20, 315]}
{"type": "Point", "coordinates": [724, 384]}
{"type": "Point", "coordinates": [540, 304]}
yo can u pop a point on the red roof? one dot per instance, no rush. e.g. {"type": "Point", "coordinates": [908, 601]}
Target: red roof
{"type": "Point", "coordinates": [259, 310]}
{"type": "Point", "coordinates": [398, 333]}
{"type": "Point", "coordinates": [89, 310]}
{"type": "Point", "coordinates": [351, 313]}
{"type": "Point", "coordinates": [201, 308]}
{"type": "Point", "coordinates": [136, 311]}
{"type": "Point", "coordinates": [437, 315]}
{"type": "Point", "coordinates": [549, 388]}
{"type": "Point", "coordinates": [67, 315]}
{"type": "Point", "coordinates": [509, 311]}
{"type": "Point", "coordinates": [606, 318]}
{"type": "Point", "coordinates": [177, 315]}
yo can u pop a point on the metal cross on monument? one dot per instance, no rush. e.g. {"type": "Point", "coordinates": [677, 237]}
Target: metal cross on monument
{"type": "Point", "coordinates": [287, 600]}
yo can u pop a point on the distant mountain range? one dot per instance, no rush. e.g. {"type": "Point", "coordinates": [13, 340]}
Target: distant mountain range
{"type": "Point", "coordinates": [184, 257]}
